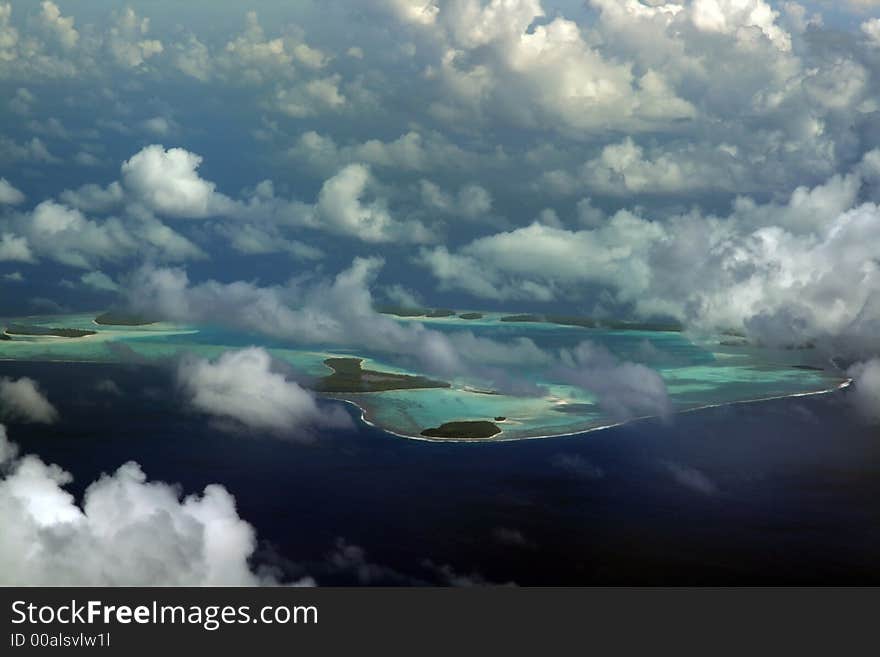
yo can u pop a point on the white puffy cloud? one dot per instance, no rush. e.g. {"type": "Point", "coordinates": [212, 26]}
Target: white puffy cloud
{"type": "Point", "coordinates": [787, 272]}
{"type": "Point", "coordinates": [9, 195]}
{"type": "Point", "coordinates": [33, 150]}
{"type": "Point", "coordinates": [310, 98]}
{"type": "Point", "coordinates": [415, 150]}
{"type": "Point", "coordinates": [624, 169]}
{"type": "Point", "coordinates": [501, 59]}
{"type": "Point", "coordinates": [241, 388]}
{"type": "Point", "coordinates": [253, 58]}
{"type": "Point", "coordinates": [168, 182]}
{"type": "Point", "coordinates": [64, 234]}
{"type": "Point", "coordinates": [94, 198]}
{"type": "Point", "coordinates": [15, 248]}
{"type": "Point", "coordinates": [415, 11]}
{"type": "Point", "coordinates": [470, 202]}
{"type": "Point", "coordinates": [256, 239]}
{"type": "Point", "coordinates": [21, 399]}
{"type": "Point", "coordinates": [127, 40]}
{"type": "Point", "coordinates": [8, 34]}
{"type": "Point", "coordinates": [536, 261]}
{"type": "Point", "coordinates": [258, 56]}
{"type": "Point", "coordinates": [61, 27]}
{"type": "Point", "coordinates": [127, 531]}
{"type": "Point", "coordinates": [871, 29]}
{"type": "Point", "coordinates": [344, 206]}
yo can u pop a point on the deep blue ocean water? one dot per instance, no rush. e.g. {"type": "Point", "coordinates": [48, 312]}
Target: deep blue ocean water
{"type": "Point", "coordinates": [781, 492]}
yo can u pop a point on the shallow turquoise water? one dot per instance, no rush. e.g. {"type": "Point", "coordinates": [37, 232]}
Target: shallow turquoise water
{"type": "Point", "coordinates": [697, 372]}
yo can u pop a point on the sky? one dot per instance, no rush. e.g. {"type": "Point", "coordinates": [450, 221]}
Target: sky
{"type": "Point", "coordinates": [713, 161]}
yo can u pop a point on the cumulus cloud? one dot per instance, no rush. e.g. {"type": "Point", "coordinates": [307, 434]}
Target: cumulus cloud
{"type": "Point", "coordinates": [127, 531]}
{"type": "Point", "coordinates": [346, 206]}
{"type": "Point", "coordinates": [502, 59]}
{"type": "Point", "coordinates": [22, 400]}
{"type": "Point", "coordinates": [168, 182]}
{"type": "Point", "coordinates": [786, 272]}
{"type": "Point", "coordinates": [470, 202]}
{"type": "Point", "coordinates": [127, 40]}
{"type": "Point", "coordinates": [9, 195]}
{"type": "Point", "coordinates": [66, 235]}
{"type": "Point", "coordinates": [240, 387]}
{"type": "Point", "coordinates": [14, 247]}
{"type": "Point", "coordinates": [61, 27]}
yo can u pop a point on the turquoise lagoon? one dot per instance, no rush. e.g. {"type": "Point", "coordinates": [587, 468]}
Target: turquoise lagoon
{"type": "Point", "coordinates": [698, 372]}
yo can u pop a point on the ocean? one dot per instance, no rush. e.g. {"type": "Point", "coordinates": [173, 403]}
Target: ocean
{"type": "Point", "coordinates": [775, 492]}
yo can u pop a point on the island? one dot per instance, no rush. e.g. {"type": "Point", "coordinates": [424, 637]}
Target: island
{"type": "Point", "coordinates": [349, 376]}
{"type": "Point", "coordinates": [441, 312]}
{"type": "Point", "coordinates": [402, 311]}
{"type": "Point", "coordinates": [522, 318]}
{"type": "Point", "coordinates": [41, 331]}
{"type": "Point", "coordinates": [467, 430]}
{"type": "Point", "coordinates": [118, 318]}
{"type": "Point", "coordinates": [471, 316]}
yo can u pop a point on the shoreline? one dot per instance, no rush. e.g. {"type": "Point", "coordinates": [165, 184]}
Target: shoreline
{"type": "Point", "coordinates": [500, 438]}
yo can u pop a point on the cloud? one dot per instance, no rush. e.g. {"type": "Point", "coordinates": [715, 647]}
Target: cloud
{"type": "Point", "coordinates": [352, 560]}
{"type": "Point", "coordinates": [127, 531]}
{"type": "Point", "coordinates": [624, 390]}
{"type": "Point", "coordinates": [691, 478]}
{"type": "Point", "coordinates": [503, 61]}
{"type": "Point", "coordinates": [511, 538]}
{"type": "Point", "coordinates": [64, 234]}
{"type": "Point", "coordinates": [540, 261]}
{"type": "Point", "coordinates": [15, 248]}
{"type": "Point", "coordinates": [337, 311]}
{"type": "Point", "coordinates": [98, 280]}
{"type": "Point", "coordinates": [22, 400]}
{"type": "Point", "coordinates": [33, 151]}
{"type": "Point", "coordinates": [94, 198]}
{"type": "Point", "coordinates": [9, 195]}
{"type": "Point", "coordinates": [343, 207]}
{"type": "Point", "coordinates": [127, 42]}
{"type": "Point", "coordinates": [240, 387]}
{"type": "Point", "coordinates": [471, 202]}
{"type": "Point", "coordinates": [577, 465]}
{"type": "Point", "coordinates": [167, 182]}
{"type": "Point", "coordinates": [786, 272]}
{"type": "Point", "coordinates": [61, 27]}
{"type": "Point", "coordinates": [403, 297]}
{"type": "Point", "coordinates": [864, 394]}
